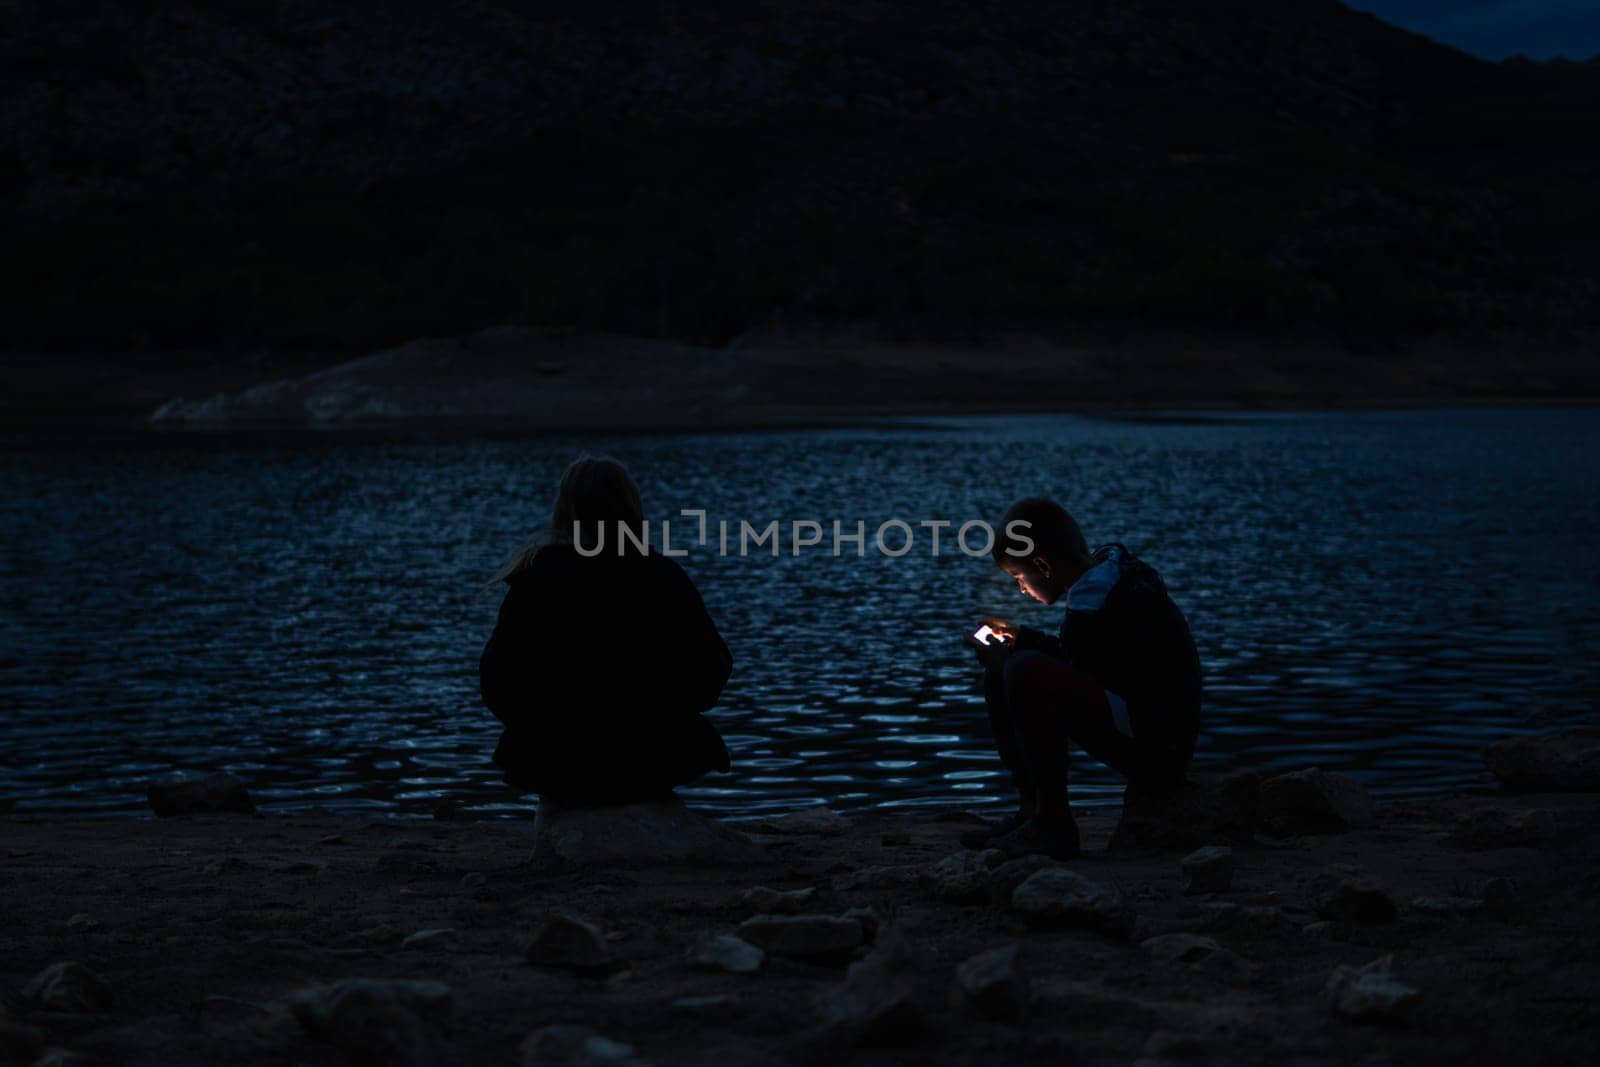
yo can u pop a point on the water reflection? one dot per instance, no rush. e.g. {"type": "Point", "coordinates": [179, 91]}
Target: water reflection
{"type": "Point", "coordinates": [1381, 593]}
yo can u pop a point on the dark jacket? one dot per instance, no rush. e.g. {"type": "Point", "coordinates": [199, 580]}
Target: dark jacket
{"type": "Point", "coordinates": [1124, 631]}
{"type": "Point", "coordinates": [593, 657]}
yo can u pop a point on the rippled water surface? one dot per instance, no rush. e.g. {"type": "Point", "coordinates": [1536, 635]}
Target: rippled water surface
{"type": "Point", "coordinates": [1374, 592]}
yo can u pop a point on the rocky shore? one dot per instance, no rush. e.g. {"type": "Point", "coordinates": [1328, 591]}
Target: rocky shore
{"type": "Point", "coordinates": [1314, 926]}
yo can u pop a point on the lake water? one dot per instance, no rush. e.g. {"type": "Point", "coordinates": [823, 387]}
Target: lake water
{"type": "Point", "coordinates": [1378, 593]}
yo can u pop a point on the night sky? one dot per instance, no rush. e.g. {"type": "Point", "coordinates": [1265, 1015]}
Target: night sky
{"type": "Point", "coordinates": [1495, 29]}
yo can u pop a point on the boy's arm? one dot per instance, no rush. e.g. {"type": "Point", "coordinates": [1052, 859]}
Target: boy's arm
{"type": "Point", "coordinates": [1032, 640]}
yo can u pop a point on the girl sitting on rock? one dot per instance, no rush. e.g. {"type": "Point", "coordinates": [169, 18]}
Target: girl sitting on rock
{"type": "Point", "coordinates": [602, 662]}
{"type": "Point", "coordinates": [1122, 679]}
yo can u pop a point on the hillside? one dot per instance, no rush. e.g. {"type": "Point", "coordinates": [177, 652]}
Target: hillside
{"type": "Point", "coordinates": [241, 175]}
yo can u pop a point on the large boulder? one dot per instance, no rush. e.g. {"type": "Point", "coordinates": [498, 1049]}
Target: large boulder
{"type": "Point", "coordinates": [208, 794]}
{"type": "Point", "coordinates": [1167, 816]}
{"type": "Point", "coordinates": [377, 1021]}
{"type": "Point", "coordinates": [1564, 761]}
{"type": "Point", "coordinates": [633, 835]}
{"type": "Point", "coordinates": [1314, 801]}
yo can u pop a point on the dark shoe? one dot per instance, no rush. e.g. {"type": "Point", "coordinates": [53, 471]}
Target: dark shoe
{"type": "Point", "coordinates": [980, 839]}
{"type": "Point", "coordinates": [1056, 839]}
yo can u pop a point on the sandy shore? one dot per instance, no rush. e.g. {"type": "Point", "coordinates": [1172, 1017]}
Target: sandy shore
{"type": "Point", "coordinates": [523, 379]}
{"type": "Point", "coordinates": [202, 927]}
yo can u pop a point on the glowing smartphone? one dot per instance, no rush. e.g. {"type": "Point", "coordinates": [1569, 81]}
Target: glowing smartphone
{"type": "Point", "coordinates": [984, 632]}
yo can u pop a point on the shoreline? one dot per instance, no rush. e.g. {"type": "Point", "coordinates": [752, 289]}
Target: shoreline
{"type": "Point", "coordinates": [525, 381]}
{"type": "Point", "coordinates": [205, 928]}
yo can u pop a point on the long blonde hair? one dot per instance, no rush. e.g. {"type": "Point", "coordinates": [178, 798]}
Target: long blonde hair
{"type": "Point", "coordinates": [596, 492]}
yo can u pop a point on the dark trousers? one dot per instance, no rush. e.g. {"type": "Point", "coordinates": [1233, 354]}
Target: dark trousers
{"type": "Point", "coordinates": [1039, 704]}
{"type": "Point", "coordinates": [613, 762]}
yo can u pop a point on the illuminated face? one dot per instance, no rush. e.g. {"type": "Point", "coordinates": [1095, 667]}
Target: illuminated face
{"type": "Point", "coordinates": [1036, 578]}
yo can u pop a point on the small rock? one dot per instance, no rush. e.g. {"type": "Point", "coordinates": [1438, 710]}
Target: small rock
{"type": "Point", "coordinates": [1445, 906]}
{"type": "Point", "coordinates": [331, 839]}
{"type": "Point", "coordinates": [1059, 898]}
{"type": "Point", "coordinates": [961, 877]}
{"type": "Point", "coordinates": [990, 985]}
{"type": "Point", "coordinates": [69, 986]}
{"type": "Point", "coordinates": [1314, 801]}
{"type": "Point", "coordinates": [869, 919]}
{"type": "Point", "coordinates": [199, 795]}
{"type": "Point", "coordinates": [825, 938]}
{"type": "Point", "coordinates": [724, 952]}
{"type": "Point", "coordinates": [1370, 993]}
{"type": "Point", "coordinates": [1208, 870]}
{"type": "Point", "coordinates": [764, 901]}
{"type": "Point", "coordinates": [1160, 816]}
{"type": "Point", "coordinates": [1320, 930]}
{"type": "Point", "coordinates": [474, 880]}
{"type": "Point", "coordinates": [634, 835]}
{"type": "Point", "coordinates": [1358, 899]}
{"type": "Point", "coordinates": [427, 938]}
{"type": "Point", "coordinates": [1257, 919]}
{"type": "Point", "coordinates": [1199, 952]}
{"type": "Point", "coordinates": [374, 1020]}
{"type": "Point", "coordinates": [1502, 899]}
{"type": "Point", "coordinates": [1565, 761]}
{"type": "Point", "coordinates": [1004, 879]}
{"type": "Point", "coordinates": [569, 943]}
{"type": "Point", "coordinates": [81, 921]}
{"type": "Point", "coordinates": [568, 1045]}
{"type": "Point", "coordinates": [879, 1004]}
{"type": "Point", "coordinates": [1180, 948]}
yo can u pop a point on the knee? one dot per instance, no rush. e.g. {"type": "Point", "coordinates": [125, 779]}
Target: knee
{"type": "Point", "coordinates": [1025, 672]}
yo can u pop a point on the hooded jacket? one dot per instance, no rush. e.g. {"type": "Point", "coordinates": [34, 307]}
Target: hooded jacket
{"type": "Point", "coordinates": [1123, 630]}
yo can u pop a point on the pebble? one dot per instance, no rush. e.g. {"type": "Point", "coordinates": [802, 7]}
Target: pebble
{"type": "Point", "coordinates": [426, 938]}
{"type": "Point", "coordinates": [991, 985]}
{"type": "Point", "coordinates": [762, 900]}
{"type": "Point", "coordinates": [1208, 870]}
{"type": "Point", "coordinates": [961, 877]}
{"type": "Point", "coordinates": [724, 952]}
{"type": "Point", "coordinates": [810, 937]}
{"type": "Point", "coordinates": [374, 1020]}
{"type": "Point", "coordinates": [570, 943]}
{"type": "Point", "coordinates": [1358, 899]}
{"type": "Point", "coordinates": [568, 1045]}
{"type": "Point", "coordinates": [1059, 898]}
{"type": "Point", "coordinates": [1314, 801]}
{"type": "Point", "coordinates": [879, 1003]}
{"type": "Point", "coordinates": [1370, 993]}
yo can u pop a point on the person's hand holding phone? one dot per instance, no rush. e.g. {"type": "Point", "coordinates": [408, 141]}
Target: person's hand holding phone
{"type": "Point", "coordinates": [993, 642]}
